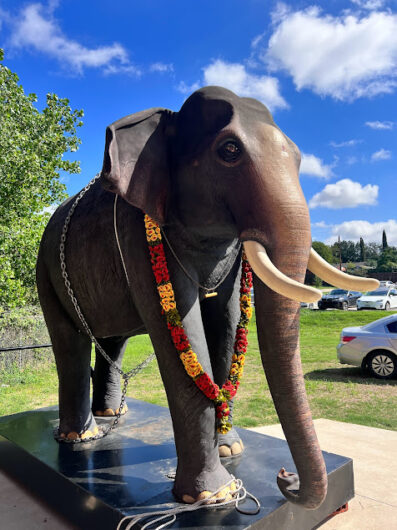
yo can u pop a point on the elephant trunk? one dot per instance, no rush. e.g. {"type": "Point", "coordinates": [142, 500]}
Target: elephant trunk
{"type": "Point", "coordinates": [278, 334]}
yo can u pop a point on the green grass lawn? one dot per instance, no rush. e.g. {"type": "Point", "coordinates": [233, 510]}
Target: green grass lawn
{"type": "Point", "coordinates": [335, 391]}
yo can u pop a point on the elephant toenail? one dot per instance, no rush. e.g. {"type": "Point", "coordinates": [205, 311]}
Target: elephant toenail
{"type": "Point", "coordinates": [72, 436]}
{"type": "Point", "coordinates": [222, 495]}
{"type": "Point", "coordinates": [236, 448]}
{"type": "Point", "coordinates": [224, 450]}
{"type": "Point", "coordinates": [86, 434]}
{"type": "Point", "coordinates": [204, 495]}
{"type": "Point", "coordinates": [188, 499]}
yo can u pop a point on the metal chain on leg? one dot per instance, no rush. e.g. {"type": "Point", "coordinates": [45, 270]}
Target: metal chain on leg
{"type": "Point", "coordinates": [125, 375]}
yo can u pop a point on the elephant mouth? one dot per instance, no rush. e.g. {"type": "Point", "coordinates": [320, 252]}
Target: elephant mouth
{"type": "Point", "coordinates": [271, 276]}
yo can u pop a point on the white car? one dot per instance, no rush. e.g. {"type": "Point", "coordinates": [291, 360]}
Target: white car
{"type": "Point", "coordinates": [382, 298]}
{"type": "Point", "coordinates": [373, 346]}
{"type": "Point", "coordinates": [386, 283]}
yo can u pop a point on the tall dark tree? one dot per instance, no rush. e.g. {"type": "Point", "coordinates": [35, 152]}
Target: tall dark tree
{"type": "Point", "coordinates": [384, 240]}
{"type": "Point", "coordinates": [362, 249]}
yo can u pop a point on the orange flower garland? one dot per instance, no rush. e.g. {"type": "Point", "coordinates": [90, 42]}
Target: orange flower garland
{"type": "Point", "coordinates": [220, 396]}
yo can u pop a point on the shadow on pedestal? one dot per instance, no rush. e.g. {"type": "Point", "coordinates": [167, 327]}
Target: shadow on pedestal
{"type": "Point", "coordinates": [95, 484]}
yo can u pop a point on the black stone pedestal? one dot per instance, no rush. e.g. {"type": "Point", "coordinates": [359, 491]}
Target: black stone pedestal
{"type": "Point", "coordinates": [95, 484]}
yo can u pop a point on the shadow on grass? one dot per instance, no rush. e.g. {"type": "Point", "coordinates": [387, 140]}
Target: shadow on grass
{"type": "Point", "coordinates": [348, 375]}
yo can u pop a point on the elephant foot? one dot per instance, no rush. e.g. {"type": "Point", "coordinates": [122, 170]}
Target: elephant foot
{"type": "Point", "coordinates": [190, 489]}
{"type": "Point", "coordinates": [230, 444]}
{"type": "Point", "coordinates": [75, 437]}
{"type": "Point", "coordinates": [110, 412]}
{"type": "Point", "coordinates": [225, 494]}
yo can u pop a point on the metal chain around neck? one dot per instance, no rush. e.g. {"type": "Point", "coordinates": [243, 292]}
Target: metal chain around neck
{"type": "Point", "coordinates": [116, 233]}
{"type": "Point", "coordinates": [125, 375]}
{"type": "Point", "coordinates": [226, 272]}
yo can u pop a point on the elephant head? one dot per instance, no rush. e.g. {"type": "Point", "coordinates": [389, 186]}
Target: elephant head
{"type": "Point", "coordinates": [223, 168]}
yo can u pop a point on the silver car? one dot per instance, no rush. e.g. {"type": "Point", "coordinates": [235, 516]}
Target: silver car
{"type": "Point", "coordinates": [373, 346]}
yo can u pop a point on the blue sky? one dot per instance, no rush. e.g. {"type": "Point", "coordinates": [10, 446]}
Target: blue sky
{"type": "Point", "coordinates": [326, 70]}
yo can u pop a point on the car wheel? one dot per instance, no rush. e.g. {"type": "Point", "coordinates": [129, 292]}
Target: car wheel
{"type": "Point", "coordinates": [382, 364]}
{"type": "Point", "coordinates": [387, 306]}
{"type": "Point", "coordinates": [360, 308]}
{"type": "Point", "coordinates": [345, 306]}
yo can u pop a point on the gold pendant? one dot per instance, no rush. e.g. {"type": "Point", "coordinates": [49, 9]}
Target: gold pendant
{"type": "Point", "coordinates": [210, 295]}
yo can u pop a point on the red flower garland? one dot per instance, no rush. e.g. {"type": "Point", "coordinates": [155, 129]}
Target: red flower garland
{"type": "Point", "coordinates": [220, 396]}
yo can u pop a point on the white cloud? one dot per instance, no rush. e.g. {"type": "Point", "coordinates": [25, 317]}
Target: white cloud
{"type": "Point", "coordinates": [235, 77]}
{"type": "Point", "coordinates": [345, 194]}
{"type": "Point", "coordinates": [256, 40]}
{"type": "Point", "coordinates": [314, 166]}
{"type": "Point", "coordinates": [188, 89]}
{"type": "Point", "coordinates": [35, 28]}
{"type": "Point", "coordinates": [380, 125]}
{"type": "Point", "coordinates": [370, 232]}
{"type": "Point", "coordinates": [382, 154]}
{"type": "Point", "coordinates": [320, 224]}
{"type": "Point", "coordinates": [348, 143]}
{"type": "Point", "coordinates": [161, 67]}
{"type": "Point", "coordinates": [369, 4]}
{"type": "Point", "coordinates": [345, 57]}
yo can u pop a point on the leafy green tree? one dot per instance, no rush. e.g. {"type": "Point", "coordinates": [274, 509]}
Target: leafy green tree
{"type": "Point", "coordinates": [32, 145]}
{"type": "Point", "coordinates": [387, 261]}
{"type": "Point", "coordinates": [372, 251]}
{"type": "Point", "coordinates": [348, 249]}
{"type": "Point", "coordinates": [324, 251]}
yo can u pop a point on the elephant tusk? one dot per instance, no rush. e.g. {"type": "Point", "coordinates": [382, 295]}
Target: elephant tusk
{"type": "Point", "coordinates": [317, 265]}
{"type": "Point", "coordinates": [276, 280]}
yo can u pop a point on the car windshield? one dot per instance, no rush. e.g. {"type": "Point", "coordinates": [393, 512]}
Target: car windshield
{"type": "Point", "coordinates": [338, 291]}
{"type": "Point", "coordinates": [381, 292]}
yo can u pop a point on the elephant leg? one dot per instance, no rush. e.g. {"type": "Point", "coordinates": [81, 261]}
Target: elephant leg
{"type": "Point", "coordinates": [72, 350]}
{"type": "Point", "coordinates": [220, 318]}
{"type": "Point", "coordinates": [199, 470]}
{"type": "Point", "coordinates": [106, 380]}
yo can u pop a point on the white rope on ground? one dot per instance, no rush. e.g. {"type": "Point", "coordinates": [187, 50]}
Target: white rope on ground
{"type": "Point", "coordinates": [160, 515]}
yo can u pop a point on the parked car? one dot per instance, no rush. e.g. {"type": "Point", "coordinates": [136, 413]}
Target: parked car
{"type": "Point", "coordinates": [339, 299]}
{"type": "Point", "coordinates": [373, 346]}
{"type": "Point", "coordinates": [378, 299]}
{"type": "Point", "coordinates": [386, 283]}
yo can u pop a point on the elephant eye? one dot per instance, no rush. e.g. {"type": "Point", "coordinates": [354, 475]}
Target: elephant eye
{"type": "Point", "coordinates": [229, 151]}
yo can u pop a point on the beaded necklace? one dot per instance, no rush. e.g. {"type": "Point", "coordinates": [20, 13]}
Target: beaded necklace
{"type": "Point", "coordinates": [220, 396]}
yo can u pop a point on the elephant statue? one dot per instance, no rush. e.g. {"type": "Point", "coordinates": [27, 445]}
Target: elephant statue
{"type": "Point", "coordinates": [216, 176]}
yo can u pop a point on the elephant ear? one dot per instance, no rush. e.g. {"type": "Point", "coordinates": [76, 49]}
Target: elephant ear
{"type": "Point", "coordinates": [135, 164]}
